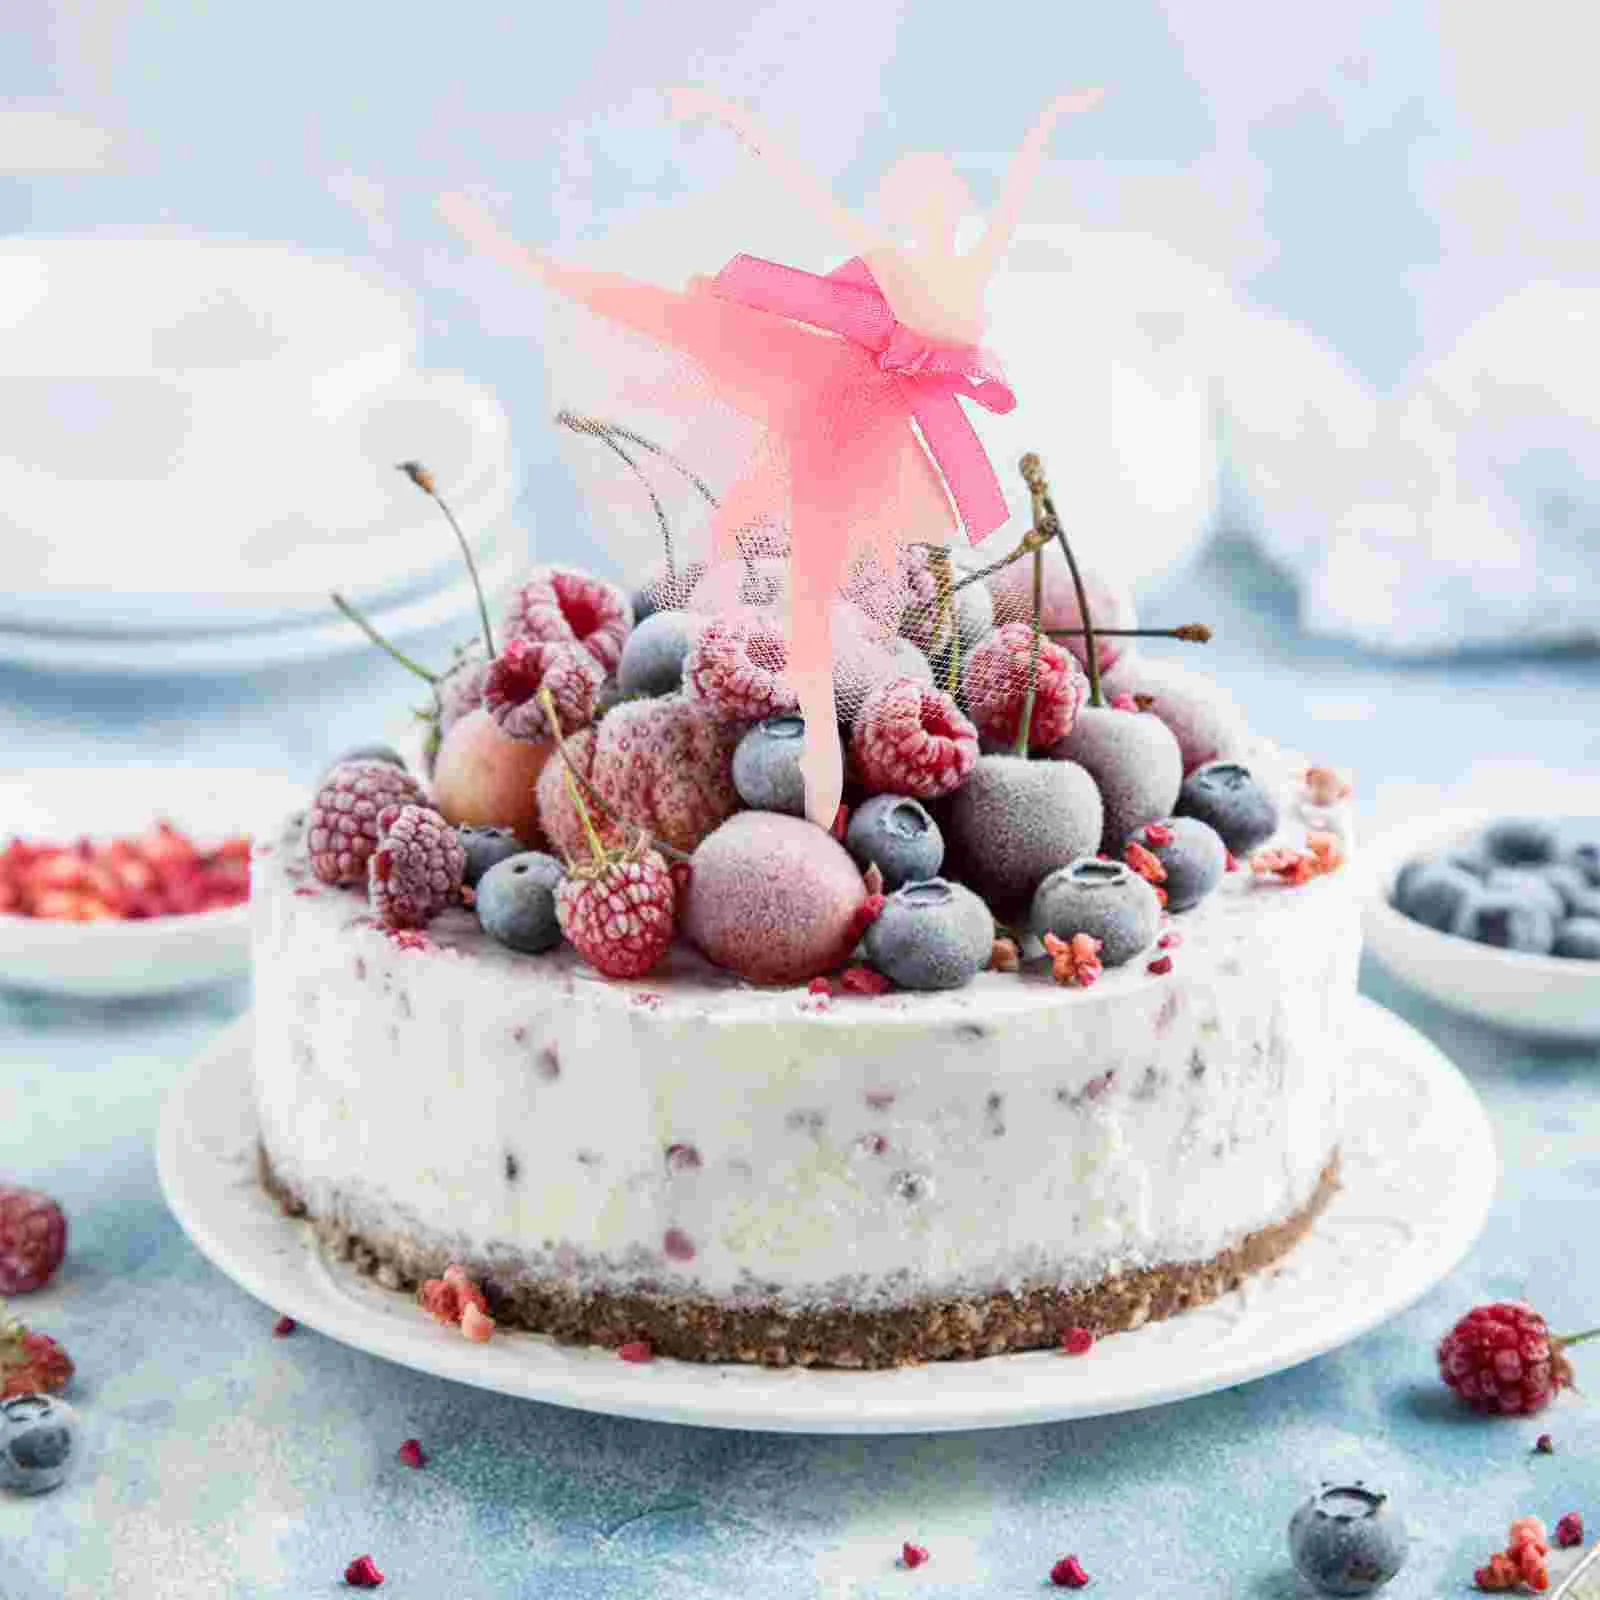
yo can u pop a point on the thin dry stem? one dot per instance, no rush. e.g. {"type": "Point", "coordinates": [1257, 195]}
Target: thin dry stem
{"type": "Point", "coordinates": [379, 640]}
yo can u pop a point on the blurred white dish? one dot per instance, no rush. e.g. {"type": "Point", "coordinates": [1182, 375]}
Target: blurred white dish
{"type": "Point", "coordinates": [157, 954]}
{"type": "Point", "coordinates": [297, 640]}
{"type": "Point", "coordinates": [1528, 993]}
{"type": "Point", "coordinates": [256, 518]}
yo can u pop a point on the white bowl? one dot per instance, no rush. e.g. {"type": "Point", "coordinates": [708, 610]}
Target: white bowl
{"type": "Point", "coordinates": [1511, 988]}
{"type": "Point", "coordinates": [156, 954]}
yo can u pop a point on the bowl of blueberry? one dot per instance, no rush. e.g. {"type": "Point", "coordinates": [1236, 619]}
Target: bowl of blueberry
{"type": "Point", "coordinates": [1495, 916]}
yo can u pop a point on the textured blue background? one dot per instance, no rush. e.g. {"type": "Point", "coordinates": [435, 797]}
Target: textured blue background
{"type": "Point", "coordinates": [224, 1462]}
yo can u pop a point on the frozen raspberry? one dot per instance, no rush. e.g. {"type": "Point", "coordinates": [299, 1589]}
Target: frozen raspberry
{"type": "Point", "coordinates": [342, 829]}
{"type": "Point", "coordinates": [561, 606]}
{"type": "Point", "coordinates": [1501, 1359]}
{"type": "Point", "coordinates": [910, 739]}
{"type": "Point", "coordinates": [737, 667]}
{"type": "Point", "coordinates": [1569, 1530]}
{"type": "Point", "coordinates": [1110, 604]}
{"type": "Point", "coordinates": [30, 1363]}
{"type": "Point", "coordinates": [995, 681]}
{"type": "Point", "coordinates": [416, 871]}
{"type": "Point", "coordinates": [362, 1573]}
{"type": "Point", "coordinates": [526, 666]}
{"type": "Point", "coordinates": [412, 1454]}
{"type": "Point", "coordinates": [1068, 1573]}
{"type": "Point", "coordinates": [33, 1239]}
{"type": "Point", "coordinates": [619, 915]}
{"type": "Point", "coordinates": [557, 814]}
{"type": "Point", "coordinates": [666, 766]}
{"type": "Point", "coordinates": [913, 1555]}
{"type": "Point", "coordinates": [1075, 961]}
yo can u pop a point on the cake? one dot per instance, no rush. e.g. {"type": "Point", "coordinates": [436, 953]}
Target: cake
{"type": "Point", "coordinates": [812, 1172]}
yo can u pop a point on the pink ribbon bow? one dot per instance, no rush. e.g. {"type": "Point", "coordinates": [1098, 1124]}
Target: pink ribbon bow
{"type": "Point", "coordinates": [929, 375]}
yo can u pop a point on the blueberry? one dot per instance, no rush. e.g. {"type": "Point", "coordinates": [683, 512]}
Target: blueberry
{"type": "Point", "coordinates": [766, 766]}
{"type": "Point", "coordinates": [1347, 1540]}
{"type": "Point", "coordinates": [517, 902]}
{"type": "Point", "coordinates": [1520, 841]}
{"type": "Point", "coordinates": [1533, 887]}
{"type": "Point", "coordinates": [38, 1435]}
{"type": "Point", "coordinates": [652, 658]}
{"type": "Point", "coordinates": [1584, 855]}
{"type": "Point", "coordinates": [1569, 881]}
{"type": "Point", "coordinates": [1227, 796]}
{"type": "Point", "coordinates": [897, 834]}
{"type": "Point", "coordinates": [1578, 938]}
{"type": "Point", "coordinates": [1586, 904]}
{"type": "Point", "coordinates": [931, 935]}
{"type": "Point", "coordinates": [664, 591]}
{"type": "Point", "coordinates": [1507, 919]}
{"type": "Point", "coordinates": [1106, 900]}
{"type": "Point", "coordinates": [1433, 893]}
{"type": "Point", "coordinates": [1195, 858]}
{"type": "Point", "coordinates": [1471, 859]}
{"type": "Point", "coordinates": [485, 847]}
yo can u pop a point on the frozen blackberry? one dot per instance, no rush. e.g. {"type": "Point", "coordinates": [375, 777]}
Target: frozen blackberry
{"type": "Point", "coordinates": [517, 902]}
{"type": "Point", "coordinates": [1135, 762]}
{"type": "Point", "coordinates": [1520, 841]}
{"type": "Point", "coordinates": [931, 935]}
{"type": "Point", "coordinates": [1191, 854]}
{"type": "Point", "coordinates": [896, 834]}
{"type": "Point", "coordinates": [652, 657]}
{"type": "Point", "coordinates": [766, 766]}
{"type": "Point", "coordinates": [1507, 919]}
{"type": "Point", "coordinates": [1533, 886]}
{"type": "Point", "coordinates": [485, 847]}
{"type": "Point", "coordinates": [1226, 795]}
{"type": "Point", "coordinates": [1433, 893]}
{"type": "Point", "coordinates": [1346, 1540]}
{"type": "Point", "coordinates": [1104, 899]}
{"type": "Point", "coordinates": [1578, 939]}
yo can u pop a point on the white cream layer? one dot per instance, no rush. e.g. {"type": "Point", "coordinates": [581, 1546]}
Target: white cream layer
{"type": "Point", "coordinates": [690, 1133]}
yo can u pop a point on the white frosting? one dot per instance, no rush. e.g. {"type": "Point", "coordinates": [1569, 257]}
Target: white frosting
{"type": "Point", "coordinates": [866, 1150]}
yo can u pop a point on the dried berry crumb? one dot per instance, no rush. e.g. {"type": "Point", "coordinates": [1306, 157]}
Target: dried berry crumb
{"type": "Point", "coordinates": [913, 1555]}
{"type": "Point", "coordinates": [1074, 961]}
{"type": "Point", "coordinates": [819, 986]}
{"type": "Point", "coordinates": [362, 1573]}
{"type": "Point", "coordinates": [863, 980]}
{"type": "Point", "coordinates": [1157, 833]}
{"type": "Point", "coordinates": [636, 1351]}
{"type": "Point", "coordinates": [1077, 1341]}
{"type": "Point", "coordinates": [283, 1327]}
{"type": "Point", "coordinates": [1234, 863]}
{"type": "Point", "coordinates": [412, 1454]}
{"type": "Point", "coordinates": [1569, 1530]}
{"type": "Point", "coordinates": [841, 823]}
{"type": "Point", "coordinates": [1544, 1445]}
{"type": "Point", "coordinates": [1004, 956]}
{"type": "Point", "coordinates": [1170, 940]}
{"type": "Point", "coordinates": [1146, 863]}
{"type": "Point", "coordinates": [475, 1325]}
{"type": "Point", "coordinates": [1160, 966]}
{"type": "Point", "coordinates": [1068, 1573]}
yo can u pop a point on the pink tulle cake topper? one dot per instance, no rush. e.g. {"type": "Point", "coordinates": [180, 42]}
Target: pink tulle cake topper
{"type": "Point", "coordinates": [820, 418]}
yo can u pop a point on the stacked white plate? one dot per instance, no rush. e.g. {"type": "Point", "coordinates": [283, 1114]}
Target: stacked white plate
{"type": "Point", "coordinates": [200, 443]}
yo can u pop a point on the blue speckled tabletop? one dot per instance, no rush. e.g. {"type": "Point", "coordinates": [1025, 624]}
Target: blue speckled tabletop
{"type": "Point", "coordinates": [222, 1462]}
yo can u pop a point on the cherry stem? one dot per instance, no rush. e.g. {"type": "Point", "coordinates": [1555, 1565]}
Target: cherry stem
{"type": "Point", "coordinates": [1025, 728]}
{"type": "Point", "coordinates": [382, 643]}
{"type": "Point", "coordinates": [423, 479]}
{"type": "Point", "coordinates": [1044, 515]}
{"type": "Point", "coordinates": [1192, 632]}
{"type": "Point", "coordinates": [574, 777]}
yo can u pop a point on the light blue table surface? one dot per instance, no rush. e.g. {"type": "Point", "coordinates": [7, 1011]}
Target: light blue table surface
{"type": "Point", "coordinates": [225, 1463]}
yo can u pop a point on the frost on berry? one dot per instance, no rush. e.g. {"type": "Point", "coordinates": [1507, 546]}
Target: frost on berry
{"type": "Point", "coordinates": [561, 606]}
{"type": "Point", "coordinates": [1500, 1359]}
{"type": "Point", "coordinates": [416, 871]}
{"type": "Point", "coordinates": [33, 1239]}
{"type": "Point", "coordinates": [342, 827]}
{"type": "Point", "coordinates": [912, 739]}
{"type": "Point", "coordinates": [666, 766]}
{"type": "Point", "coordinates": [558, 816]}
{"type": "Point", "coordinates": [620, 916]}
{"type": "Point", "coordinates": [995, 683]}
{"type": "Point", "coordinates": [512, 689]}
{"type": "Point", "coordinates": [737, 667]}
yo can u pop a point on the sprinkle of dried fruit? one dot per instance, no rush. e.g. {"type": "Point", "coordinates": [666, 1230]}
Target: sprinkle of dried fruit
{"type": "Point", "coordinates": [283, 1327]}
{"type": "Point", "coordinates": [636, 1351]}
{"type": "Point", "coordinates": [1004, 956]}
{"type": "Point", "coordinates": [411, 1453]}
{"type": "Point", "coordinates": [1326, 785]}
{"type": "Point", "coordinates": [1074, 961]}
{"type": "Point", "coordinates": [362, 1573]}
{"type": "Point", "coordinates": [913, 1555]}
{"type": "Point", "coordinates": [1077, 1341]}
{"type": "Point", "coordinates": [1068, 1573]}
{"type": "Point", "coordinates": [1569, 1530]}
{"type": "Point", "coordinates": [475, 1325]}
{"type": "Point", "coordinates": [1161, 966]}
{"type": "Point", "coordinates": [1157, 834]}
{"type": "Point", "coordinates": [1545, 1445]}
{"type": "Point", "coordinates": [864, 980]}
{"type": "Point", "coordinates": [1145, 863]}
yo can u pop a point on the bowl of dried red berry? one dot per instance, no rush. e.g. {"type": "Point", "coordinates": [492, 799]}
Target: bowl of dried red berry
{"type": "Point", "coordinates": [127, 880]}
{"type": "Point", "coordinates": [1495, 916]}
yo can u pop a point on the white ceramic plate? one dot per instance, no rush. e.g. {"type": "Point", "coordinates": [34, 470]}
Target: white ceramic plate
{"type": "Point", "coordinates": [1419, 1172]}
{"type": "Point", "coordinates": [157, 954]}
{"type": "Point", "coordinates": [1532, 994]}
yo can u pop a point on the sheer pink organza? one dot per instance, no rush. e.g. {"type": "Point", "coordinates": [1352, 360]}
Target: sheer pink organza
{"type": "Point", "coordinates": [823, 433]}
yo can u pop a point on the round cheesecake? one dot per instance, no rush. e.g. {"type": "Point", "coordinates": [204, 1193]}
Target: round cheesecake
{"type": "Point", "coordinates": [736, 1173]}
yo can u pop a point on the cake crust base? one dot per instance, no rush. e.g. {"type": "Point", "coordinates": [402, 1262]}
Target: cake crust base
{"type": "Point", "coordinates": [952, 1329]}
